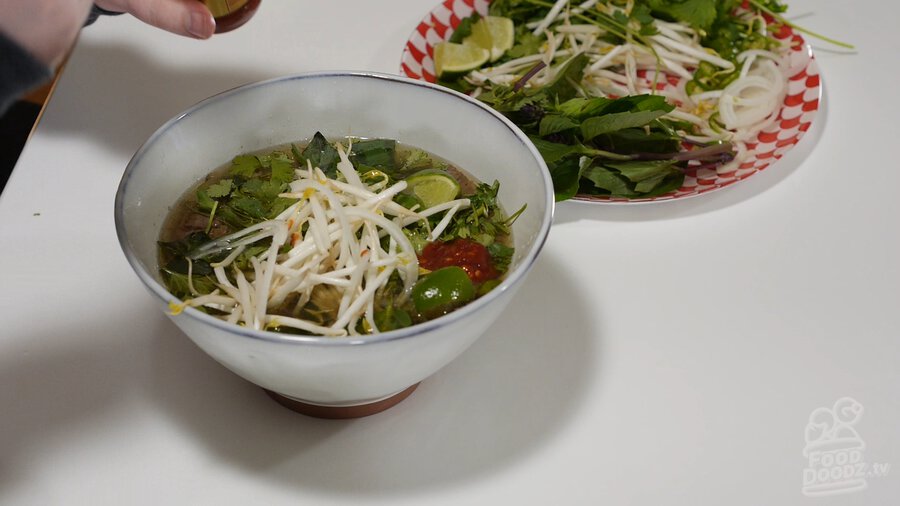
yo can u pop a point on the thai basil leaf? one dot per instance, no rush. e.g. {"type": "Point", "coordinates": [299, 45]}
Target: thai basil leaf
{"type": "Point", "coordinates": [321, 154]}
{"type": "Point", "coordinates": [379, 153]}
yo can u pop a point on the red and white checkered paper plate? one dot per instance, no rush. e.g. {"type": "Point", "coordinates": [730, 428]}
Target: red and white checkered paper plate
{"type": "Point", "coordinates": [797, 112]}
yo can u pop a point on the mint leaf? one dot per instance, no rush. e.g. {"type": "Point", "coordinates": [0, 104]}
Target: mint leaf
{"type": "Point", "coordinates": [647, 185]}
{"type": "Point", "coordinates": [555, 123]}
{"type": "Point", "coordinates": [553, 151]}
{"type": "Point", "coordinates": [637, 140]}
{"type": "Point", "coordinates": [566, 176]}
{"type": "Point", "coordinates": [592, 127]}
{"type": "Point", "coordinates": [610, 181]}
{"type": "Point", "coordinates": [669, 183]}
{"type": "Point", "coordinates": [633, 179]}
{"type": "Point", "coordinates": [637, 171]}
{"type": "Point", "coordinates": [580, 108]}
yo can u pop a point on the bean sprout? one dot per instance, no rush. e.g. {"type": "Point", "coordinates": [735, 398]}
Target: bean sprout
{"type": "Point", "coordinates": [746, 106]}
{"type": "Point", "coordinates": [330, 239]}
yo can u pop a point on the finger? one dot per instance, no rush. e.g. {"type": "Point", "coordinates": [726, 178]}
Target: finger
{"type": "Point", "coordinates": [184, 17]}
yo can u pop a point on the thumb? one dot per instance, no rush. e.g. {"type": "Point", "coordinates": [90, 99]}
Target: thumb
{"type": "Point", "coordinates": [184, 17]}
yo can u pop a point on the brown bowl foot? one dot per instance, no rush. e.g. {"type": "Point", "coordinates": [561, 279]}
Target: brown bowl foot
{"type": "Point", "coordinates": [340, 412]}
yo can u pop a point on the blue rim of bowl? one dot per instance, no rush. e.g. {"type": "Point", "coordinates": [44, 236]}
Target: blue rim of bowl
{"type": "Point", "coordinates": [512, 278]}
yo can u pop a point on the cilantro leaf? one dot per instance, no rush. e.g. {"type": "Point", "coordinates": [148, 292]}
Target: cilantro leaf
{"type": "Point", "coordinates": [392, 318]}
{"type": "Point", "coordinates": [416, 160]}
{"type": "Point", "coordinates": [177, 283]}
{"type": "Point", "coordinates": [564, 85]}
{"type": "Point", "coordinates": [250, 206]}
{"type": "Point", "coordinates": [501, 255]}
{"type": "Point", "coordinates": [483, 220]}
{"type": "Point", "coordinates": [219, 189]}
{"type": "Point", "coordinates": [204, 201]}
{"type": "Point", "coordinates": [464, 29]}
{"type": "Point", "coordinates": [282, 171]}
{"type": "Point", "coordinates": [244, 165]}
{"type": "Point", "coordinates": [262, 190]}
{"type": "Point", "coordinates": [698, 13]}
{"type": "Point", "coordinates": [242, 262]}
{"type": "Point", "coordinates": [526, 43]}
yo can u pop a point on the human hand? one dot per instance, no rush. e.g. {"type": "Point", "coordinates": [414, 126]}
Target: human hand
{"type": "Point", "coordinates": [184, 17]}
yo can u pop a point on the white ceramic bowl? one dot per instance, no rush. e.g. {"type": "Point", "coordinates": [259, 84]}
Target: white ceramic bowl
{"type": "Point", "coordinates": [320, 370]}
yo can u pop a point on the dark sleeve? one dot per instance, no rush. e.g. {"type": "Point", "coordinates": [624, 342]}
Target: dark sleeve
{"type": "Point", "coordinates": [19, 72]}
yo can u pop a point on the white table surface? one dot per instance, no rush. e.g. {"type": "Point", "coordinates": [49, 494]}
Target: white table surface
{"type": "Point", "coordinates": [658, 354]}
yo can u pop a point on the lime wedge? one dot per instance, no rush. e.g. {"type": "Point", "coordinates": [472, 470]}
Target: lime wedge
{"type": "Point", "coordinates": [432, 187]}
{"type": "Point", "coordinates": [494, 33]}
{"type": "Point", "coordinates": [452, 58]}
